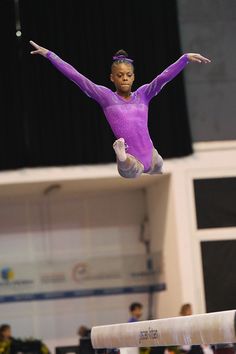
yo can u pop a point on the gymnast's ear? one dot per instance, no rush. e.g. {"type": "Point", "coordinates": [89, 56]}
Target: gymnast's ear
{"type": "Point", "coordinates": [111, 77]}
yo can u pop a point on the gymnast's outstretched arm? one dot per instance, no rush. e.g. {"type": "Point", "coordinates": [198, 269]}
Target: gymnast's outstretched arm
{"type": "Point", "coordinates": [92, 90]}
{"type": "Point", "coordinates": [150, 90]}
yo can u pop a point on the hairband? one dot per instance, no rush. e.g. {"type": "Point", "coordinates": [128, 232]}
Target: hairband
{"type": "Point", "coordinates": [122, 57]}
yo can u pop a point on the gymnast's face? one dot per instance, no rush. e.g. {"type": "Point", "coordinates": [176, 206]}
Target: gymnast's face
{"type": "Point", "coordinates": [122, 76]}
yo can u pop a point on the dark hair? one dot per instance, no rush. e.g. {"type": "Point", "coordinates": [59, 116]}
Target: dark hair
{"type": "Point", "coordinates": [121, 52]}
{"type": "Point", "coordinates": [3, 328]}
{"type": "Point", "coordinates": [84, 331]}
{"type": "Point", "coordinates": [121, 56]}
{"type": "Point", "coordinates": [135, 305]}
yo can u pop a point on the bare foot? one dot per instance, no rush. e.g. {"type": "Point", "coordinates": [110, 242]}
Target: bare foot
{"type": "Point", "coordinates": [119, 147]}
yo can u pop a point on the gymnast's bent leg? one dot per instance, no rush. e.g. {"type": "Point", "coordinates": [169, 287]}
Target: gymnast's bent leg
{"type": "Point", "coordinates": [128, 166]}
{"type": "Point", "coordinates": [157, 164]}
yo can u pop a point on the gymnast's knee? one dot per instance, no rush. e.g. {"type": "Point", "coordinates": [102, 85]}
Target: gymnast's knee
{"type": "Point", "coordinates": [157, 166]}
{"type": "Point", "coordinates": [130, 168]}
{"type": "Point", "coordinates": [160, 162]}
{"type": "Point", "coordinates": [129, 174]}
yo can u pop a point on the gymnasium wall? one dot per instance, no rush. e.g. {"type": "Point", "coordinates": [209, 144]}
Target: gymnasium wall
{"type": "Point", "coordinates": [209, 27]}
{"type": "Point", "coordinates": [40, 231]}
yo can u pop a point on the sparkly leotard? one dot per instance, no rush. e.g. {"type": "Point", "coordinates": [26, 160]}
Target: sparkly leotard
{"type": "Point", "coordinates": [128, 119]}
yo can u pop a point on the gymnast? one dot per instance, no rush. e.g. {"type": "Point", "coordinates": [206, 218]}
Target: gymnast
{"type": "Point", "coordinates": [126, 111]}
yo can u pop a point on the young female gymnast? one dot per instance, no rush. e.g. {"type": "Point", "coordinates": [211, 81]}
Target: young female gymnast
{"type": "Point", "coordinates": [126, 111]}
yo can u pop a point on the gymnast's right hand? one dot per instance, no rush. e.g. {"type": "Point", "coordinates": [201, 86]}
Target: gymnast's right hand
{"type": "Point", "coordinates": [39, 50]}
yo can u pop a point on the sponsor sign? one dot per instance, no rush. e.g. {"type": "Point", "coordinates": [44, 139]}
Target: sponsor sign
{"type": "Point", "coordinates": [80, 278]}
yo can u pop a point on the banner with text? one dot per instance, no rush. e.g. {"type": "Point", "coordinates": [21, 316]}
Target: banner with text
{"type": "Point", "coordinates": [81, 278]}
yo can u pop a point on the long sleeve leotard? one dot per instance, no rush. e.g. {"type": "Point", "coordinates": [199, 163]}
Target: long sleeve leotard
{"type": "Point", "coordinates": [128, 118]}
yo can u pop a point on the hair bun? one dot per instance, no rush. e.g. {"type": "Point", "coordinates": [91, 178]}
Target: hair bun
{"type": "Point", "coordinates": [121, 52]}
{"type": "Point", "coordinates": [122, 57]}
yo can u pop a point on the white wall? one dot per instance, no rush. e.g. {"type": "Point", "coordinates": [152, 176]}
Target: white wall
{"type": "Point", "coordinates": [209, 161]}
{"type": "Point", "coordinates": [42, 228]}
{"type": "Point", "coordinates": [163, 233]}
{"type": "Point", "coordinates": [51, 227]}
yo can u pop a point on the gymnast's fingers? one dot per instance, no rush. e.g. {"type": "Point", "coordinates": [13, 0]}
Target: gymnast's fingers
{"type": "Point", "coordinates": [35, 45]}
{"type": "Point", "coordinates": [196, 59]}
{"type": "Point", "coordinates": [35, 52]}
{"type": "Point", "coordinates": [204, 59]}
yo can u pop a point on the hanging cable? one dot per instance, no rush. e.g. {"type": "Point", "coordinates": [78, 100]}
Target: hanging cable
{"type": "Point", "coordinates": [17, 19]}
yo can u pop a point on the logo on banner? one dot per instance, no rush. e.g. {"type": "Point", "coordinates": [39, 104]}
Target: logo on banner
{"type": "Point", "coordinates": [79, 271]}
{"type": "Point", "coordinates": [7, 274]}
{"type": "Point", "coordinates": [10, 281]}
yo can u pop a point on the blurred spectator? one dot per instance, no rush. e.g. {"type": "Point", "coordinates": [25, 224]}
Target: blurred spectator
{"type": "Point", "coordinates": [136, 311]}
{"type": "Point", "coordinates": [186, 310]}
{"type": "Point", "coordinates": [5, 332]}
{"type": "Point", "coordinates": [84, 332]}
{"type": "Point", "coordinates": [8, 344]}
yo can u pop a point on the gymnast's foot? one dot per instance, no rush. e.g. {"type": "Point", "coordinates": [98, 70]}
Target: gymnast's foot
{"type": "Point", "coordinates": [119, 147]}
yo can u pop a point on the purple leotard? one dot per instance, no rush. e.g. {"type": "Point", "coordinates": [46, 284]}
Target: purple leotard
{"type": "Point", "coordinates": [128, 118]}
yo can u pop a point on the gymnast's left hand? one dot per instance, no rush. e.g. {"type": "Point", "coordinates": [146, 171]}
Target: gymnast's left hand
{"type": "Point", "coordinates": [197, 58]}
{"type": "Point", "coordinates": [39, 50]}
